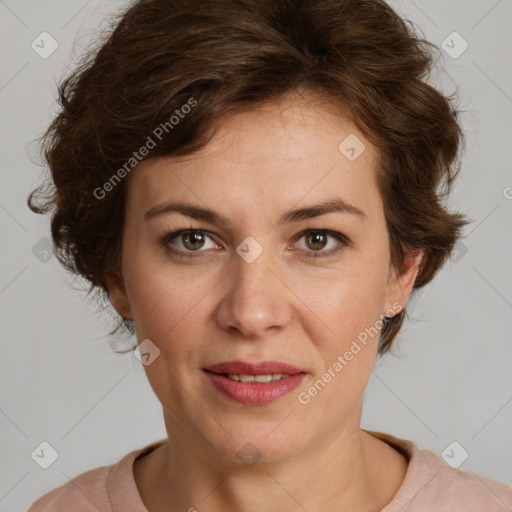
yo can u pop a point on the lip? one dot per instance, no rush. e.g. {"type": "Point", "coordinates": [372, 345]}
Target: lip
{"type": "Point", "coordinates": [262, 368]}
{"type": "Point", "coordinates": [254, 393]}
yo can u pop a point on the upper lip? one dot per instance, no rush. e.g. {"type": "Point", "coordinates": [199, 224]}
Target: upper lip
{"type": "Point", "coordinates": [262, 368]}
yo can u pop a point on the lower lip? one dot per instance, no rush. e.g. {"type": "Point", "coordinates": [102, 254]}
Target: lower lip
{"type": "Point", "coordinates": [255, 393]}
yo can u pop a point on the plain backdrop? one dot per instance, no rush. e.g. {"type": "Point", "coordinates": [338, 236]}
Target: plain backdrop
{"type": "Point", "coordinates": [62, 383]}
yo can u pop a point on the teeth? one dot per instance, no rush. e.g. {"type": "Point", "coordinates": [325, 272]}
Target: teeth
{"type": "Point", "coordinates": [256, 378]}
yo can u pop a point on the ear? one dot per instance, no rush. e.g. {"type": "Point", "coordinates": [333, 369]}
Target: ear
{"type": "Point", "coordinates": [400, 285]}
{"type": "Point", "coordinates": [118, 296]}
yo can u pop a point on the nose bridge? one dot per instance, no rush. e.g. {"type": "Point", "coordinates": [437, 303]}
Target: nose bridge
{"type": "Point", "coordinates": [254, 299]}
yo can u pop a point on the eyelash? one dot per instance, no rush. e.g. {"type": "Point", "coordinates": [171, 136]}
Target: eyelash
{"type": "Point", "coordinates": [344, 241]}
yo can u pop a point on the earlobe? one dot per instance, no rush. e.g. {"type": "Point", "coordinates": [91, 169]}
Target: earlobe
{"type": "Point", "coordinates": [118, 296]}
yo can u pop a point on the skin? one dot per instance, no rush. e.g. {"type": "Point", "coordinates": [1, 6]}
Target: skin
{"type": "Point", "coordinates": [283, 306]}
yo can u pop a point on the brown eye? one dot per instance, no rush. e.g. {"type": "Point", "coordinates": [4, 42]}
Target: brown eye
{"type": "Point", "coordinates": [187, 242]}
{"type": "Point", "coordinates": [316, 240]}
{"type": "Point", "coordinates": [193, 240]}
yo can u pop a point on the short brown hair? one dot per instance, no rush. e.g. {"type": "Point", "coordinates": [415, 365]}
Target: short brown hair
{"type": "Point", "coordinates": [226, 55]}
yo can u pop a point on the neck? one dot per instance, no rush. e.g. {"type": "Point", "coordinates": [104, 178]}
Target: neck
{"type": "Point", "coordinates": [350, 468]}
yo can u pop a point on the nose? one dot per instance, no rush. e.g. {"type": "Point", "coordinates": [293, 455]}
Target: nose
{"type": "Point", "coordinates": [255, 300]}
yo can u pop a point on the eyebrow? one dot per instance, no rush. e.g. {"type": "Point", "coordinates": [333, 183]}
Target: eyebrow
{"type": "Point", "coordinates": [335, 205]}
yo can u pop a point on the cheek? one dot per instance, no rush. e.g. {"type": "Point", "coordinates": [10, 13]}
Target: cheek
{"type": "Point", "coordinates": [160, 294]}
{"type": "Point", "coordinates": [168, 300]}
{"type": "Point", "coordinates": [346, 340]}
{"type": "Point", "coordinates": [163, 297]}
{"type": "Point", "coordinates": [171, 307]}
{"type": "Point", "coordinates": [347, 301]}
{"type": "Point", "coordinates": [166, 310]}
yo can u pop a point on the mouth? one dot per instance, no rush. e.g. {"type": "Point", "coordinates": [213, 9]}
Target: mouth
{"type": "Point", "coordinates": [254, 383]}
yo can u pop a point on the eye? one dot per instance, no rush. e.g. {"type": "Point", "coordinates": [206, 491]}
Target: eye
{"type": "Point", "coordinates": [191, 241]}
{"type": "Point", "coordinates": [317, 240]}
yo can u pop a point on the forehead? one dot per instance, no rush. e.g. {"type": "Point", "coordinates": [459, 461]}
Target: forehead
{"type": "Point", "coordinates": [261, 160]}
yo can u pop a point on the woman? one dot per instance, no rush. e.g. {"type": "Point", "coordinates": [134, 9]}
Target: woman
{"type": "Point", "coordinates": [255, 186]}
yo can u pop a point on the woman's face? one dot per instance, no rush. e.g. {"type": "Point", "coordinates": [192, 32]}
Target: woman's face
{"type": "Point", "coordinates": [259, 287]}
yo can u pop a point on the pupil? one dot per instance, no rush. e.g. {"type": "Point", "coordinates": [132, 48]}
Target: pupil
{"type": "Point", "coordinates": [317, 236]}
{"type": "Point", "coordinates": [194, 238]}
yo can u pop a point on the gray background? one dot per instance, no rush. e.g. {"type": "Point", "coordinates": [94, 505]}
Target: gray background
{"type": "Point", "coordinates": [60, 380]}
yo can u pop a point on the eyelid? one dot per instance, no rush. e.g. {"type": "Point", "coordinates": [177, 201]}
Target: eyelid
{"type": "Point", "coordinates": [166, 239]}
{"type": "Point", "coordinates": [343, 240]}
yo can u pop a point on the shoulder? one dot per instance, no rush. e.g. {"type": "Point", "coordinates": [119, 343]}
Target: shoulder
{"type": "Point", "coordinates": [103, 489]}
{"type": "Point", "coordinates": [86, 492]}
{"type": "Point", "coordinates": [463, 490]}
{"type": "Point", "coordinates": [431, 484]}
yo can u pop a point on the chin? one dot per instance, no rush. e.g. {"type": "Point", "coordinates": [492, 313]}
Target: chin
{"type": "Point", "coordinates": [257, 444]}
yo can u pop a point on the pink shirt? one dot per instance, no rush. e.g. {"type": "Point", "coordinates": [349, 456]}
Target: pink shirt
{"type": "Point", "coordinates": [430, 485]}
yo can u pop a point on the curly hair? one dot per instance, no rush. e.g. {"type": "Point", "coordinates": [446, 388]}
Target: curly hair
{"type": "Point", "coordinates": [219, 56]}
